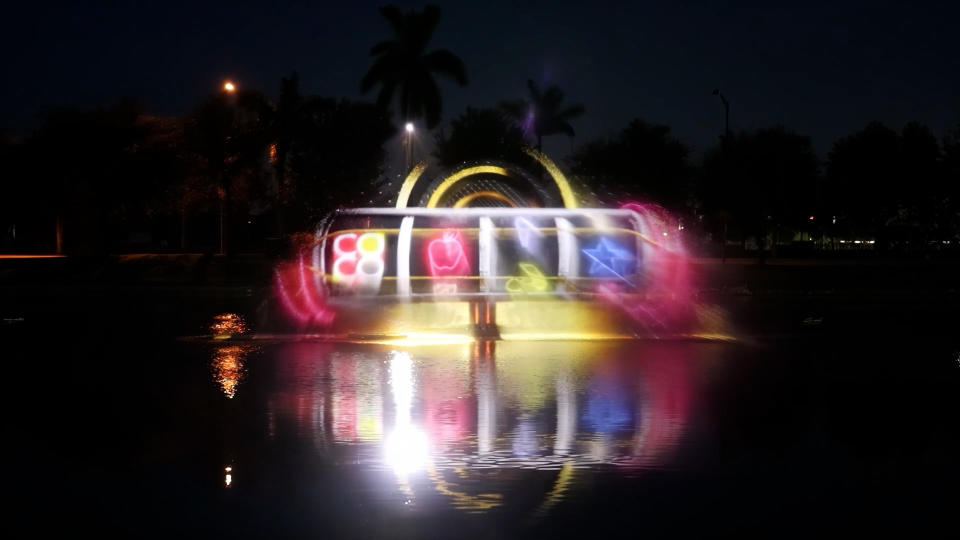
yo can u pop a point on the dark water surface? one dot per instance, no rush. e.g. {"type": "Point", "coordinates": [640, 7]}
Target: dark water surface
{"type": "Point", "coordinates": [121, 427]}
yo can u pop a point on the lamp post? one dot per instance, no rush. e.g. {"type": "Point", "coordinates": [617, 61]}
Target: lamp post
{"type": "Point", "coordinates": [726, 164]}
{"type": "Point", "coordinates": [726, 114]}
{"type": "Point", "coordinates": [407, 147]}
{"type": "Point", "coordinates": [230, 89]}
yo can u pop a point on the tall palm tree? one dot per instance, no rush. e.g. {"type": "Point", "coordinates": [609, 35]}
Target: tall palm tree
{"type": "Point", "coordinates": [543, 114]}
{"type": "Point", "coordinates": [402, 65]}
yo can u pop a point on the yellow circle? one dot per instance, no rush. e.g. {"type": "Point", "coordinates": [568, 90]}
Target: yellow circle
{"type": "Point", "coordinates": [370, 243]}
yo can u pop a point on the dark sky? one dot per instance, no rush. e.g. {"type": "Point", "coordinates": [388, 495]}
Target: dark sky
{"type": "Point", "coordinates": [821, 69]}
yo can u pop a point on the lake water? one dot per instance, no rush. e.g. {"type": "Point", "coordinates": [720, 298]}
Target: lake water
{"type": "Point", "coordinates": [119, 426]}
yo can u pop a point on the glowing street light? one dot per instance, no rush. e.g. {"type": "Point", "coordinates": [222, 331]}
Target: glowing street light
{"type": "Point", "coordinates": [408, 146]}
{"type": "Point", "coordinates": [229, 87]}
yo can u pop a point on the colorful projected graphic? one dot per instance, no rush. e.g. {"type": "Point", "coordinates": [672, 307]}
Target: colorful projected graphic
{"type": "Point", "coordinates": [358, 261]}
{"type": "Point", "coordinates": [447, 258]}
{"type": "Point", "coordinates": [532, 280]}
{"type": "Point", "coordinates": [528, 235]}
{"type": "Point", "coordinates": [447, 255]}
{"type": "Point", "coordinates": [609, 260]}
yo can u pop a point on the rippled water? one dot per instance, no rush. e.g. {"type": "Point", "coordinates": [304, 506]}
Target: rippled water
{"type": "Point", "coordinates": [148, 435]}
{"type": "Point", "coordinates": [464, 427]}
{"type": "Point", "coordinates": [496, 435]}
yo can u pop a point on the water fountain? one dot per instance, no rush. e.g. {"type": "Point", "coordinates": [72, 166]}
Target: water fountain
{"type": "Point", "coordinates": [490, 251]}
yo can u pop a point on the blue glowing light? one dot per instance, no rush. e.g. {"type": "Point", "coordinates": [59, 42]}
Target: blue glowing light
{"type": "Point", "coordinates": [607, 259]}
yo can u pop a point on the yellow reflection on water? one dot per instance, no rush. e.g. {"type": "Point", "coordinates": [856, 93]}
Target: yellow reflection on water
{"type": "Point", "coordinates": [226, 325]}
{"type": "Point", "coordinates": [228, 367]}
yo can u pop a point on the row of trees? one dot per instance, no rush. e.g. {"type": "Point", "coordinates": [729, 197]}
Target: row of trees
{"type": "Point", "coordinates": [897, 189]}
{"type": "Point", "coordinates": [118, 176]}
{"type": "Point", "coordinates": [242, 168]}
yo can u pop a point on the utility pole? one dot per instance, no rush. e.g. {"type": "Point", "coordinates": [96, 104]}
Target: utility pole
{"type": "Point", "coordinates": [726, 164]}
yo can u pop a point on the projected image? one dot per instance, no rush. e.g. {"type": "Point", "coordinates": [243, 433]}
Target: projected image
{"type": "Point", "coordinates": [358, 262]}
{"type": "Point", "coordinates": [443, 263]}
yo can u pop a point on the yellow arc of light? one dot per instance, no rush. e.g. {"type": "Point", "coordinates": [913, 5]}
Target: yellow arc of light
{"type": "Point", "coordinates": [563, 185]}
{"type": "Point", "coordinates": [408, 184]}
{"type": "Point", "coordinates": [566, 192]}
{"type": "Point", "coordinates": [464, 201]}
{"type": "Point", "coordinates": [449, 181]}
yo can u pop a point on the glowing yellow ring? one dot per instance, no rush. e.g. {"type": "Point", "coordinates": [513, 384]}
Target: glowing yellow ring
{"type": "Point", "coordinates": [449, 181]}
{"type": "Point", "coordinates": [408, 184]}
{"type": "Point", "coordinates": [464, 201]}
{"type": "Point", "coordinates": [566, 192]}
{"type": "Point", "coordinates": [563, 185]}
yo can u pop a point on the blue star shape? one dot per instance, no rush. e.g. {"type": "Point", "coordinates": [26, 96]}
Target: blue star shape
{"type": "Point", "coordinates": [607, 259]}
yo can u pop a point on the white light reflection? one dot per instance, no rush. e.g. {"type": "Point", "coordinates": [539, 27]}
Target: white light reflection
{"type": "Point", "coordinates": [486, 407]}
{"type": "Point", "coordinates": [406, 448]}
{"type": "Point", "coordinates": [566, 414]}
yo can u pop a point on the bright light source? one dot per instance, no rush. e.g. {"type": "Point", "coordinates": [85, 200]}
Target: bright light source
{"type": "Point", "coordinates": [409, 127]}
{"type": "Point", "coordinates": [811, 218]}
{"type": "Point", "coordinates": [229, 87]}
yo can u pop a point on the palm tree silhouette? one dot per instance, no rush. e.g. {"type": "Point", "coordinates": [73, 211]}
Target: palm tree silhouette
{"type": "Point", "coordinates": [543, 113]}
{"type": "Point", "coordinates": [402, 65]}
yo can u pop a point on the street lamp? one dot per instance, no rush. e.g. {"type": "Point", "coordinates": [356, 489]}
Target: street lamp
{"type": "Point", "coordinates": [726, 164]}
{"type": "Point", "coordinates": [230, 90]}
{"type": "Point", "coordinates": [407, 147]}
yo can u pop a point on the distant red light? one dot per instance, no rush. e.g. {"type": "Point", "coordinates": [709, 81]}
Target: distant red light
{"type": "Point", "coordinates": [811, 218]}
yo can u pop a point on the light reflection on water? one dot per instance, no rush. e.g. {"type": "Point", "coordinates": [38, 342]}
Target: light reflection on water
{"type": "Point", "coordinates": [464, 422]}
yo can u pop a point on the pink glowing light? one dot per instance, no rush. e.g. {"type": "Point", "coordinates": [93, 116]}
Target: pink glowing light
{"type": "Point", "coordinates": [664, 268]}
{"type": "Point", "coordinates": [447, 255]}
{"type": "Point", "coordinates": [302, 300]}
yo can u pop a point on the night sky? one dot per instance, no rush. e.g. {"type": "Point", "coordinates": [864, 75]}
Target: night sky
{"type": "Point", "coordinates": [823, 70]}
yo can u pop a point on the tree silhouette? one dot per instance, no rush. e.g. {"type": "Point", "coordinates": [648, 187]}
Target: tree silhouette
{"type": "Point", "coordinates": [92, 181]}
{"type": "Point", "coordinates": [480, 134]}
{"type": "Point", "coordinates": [337, 157]}
{"type": "Point", "coordinates": [951, 182]}
{"type": "Point", "coordinates": [285, 125]}
{"type": "Point", "coordinates": [543, 113]}
{"type": "Point", "coordinates": [643, 161]}
{"type": "Point", "coordinates": [762, 179]}
{"type": "Point", "coordinates": [230, 133]}
{"type": "Point", "coordinates": [889, 185]}
{"type": "Point", "coordinates": [402, 66]}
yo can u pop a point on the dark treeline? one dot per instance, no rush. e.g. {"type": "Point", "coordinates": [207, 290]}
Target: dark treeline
{"type": "Point", "coordinates": [119, 178]}
{"type": "Point", "coordinates": [241, 171]}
